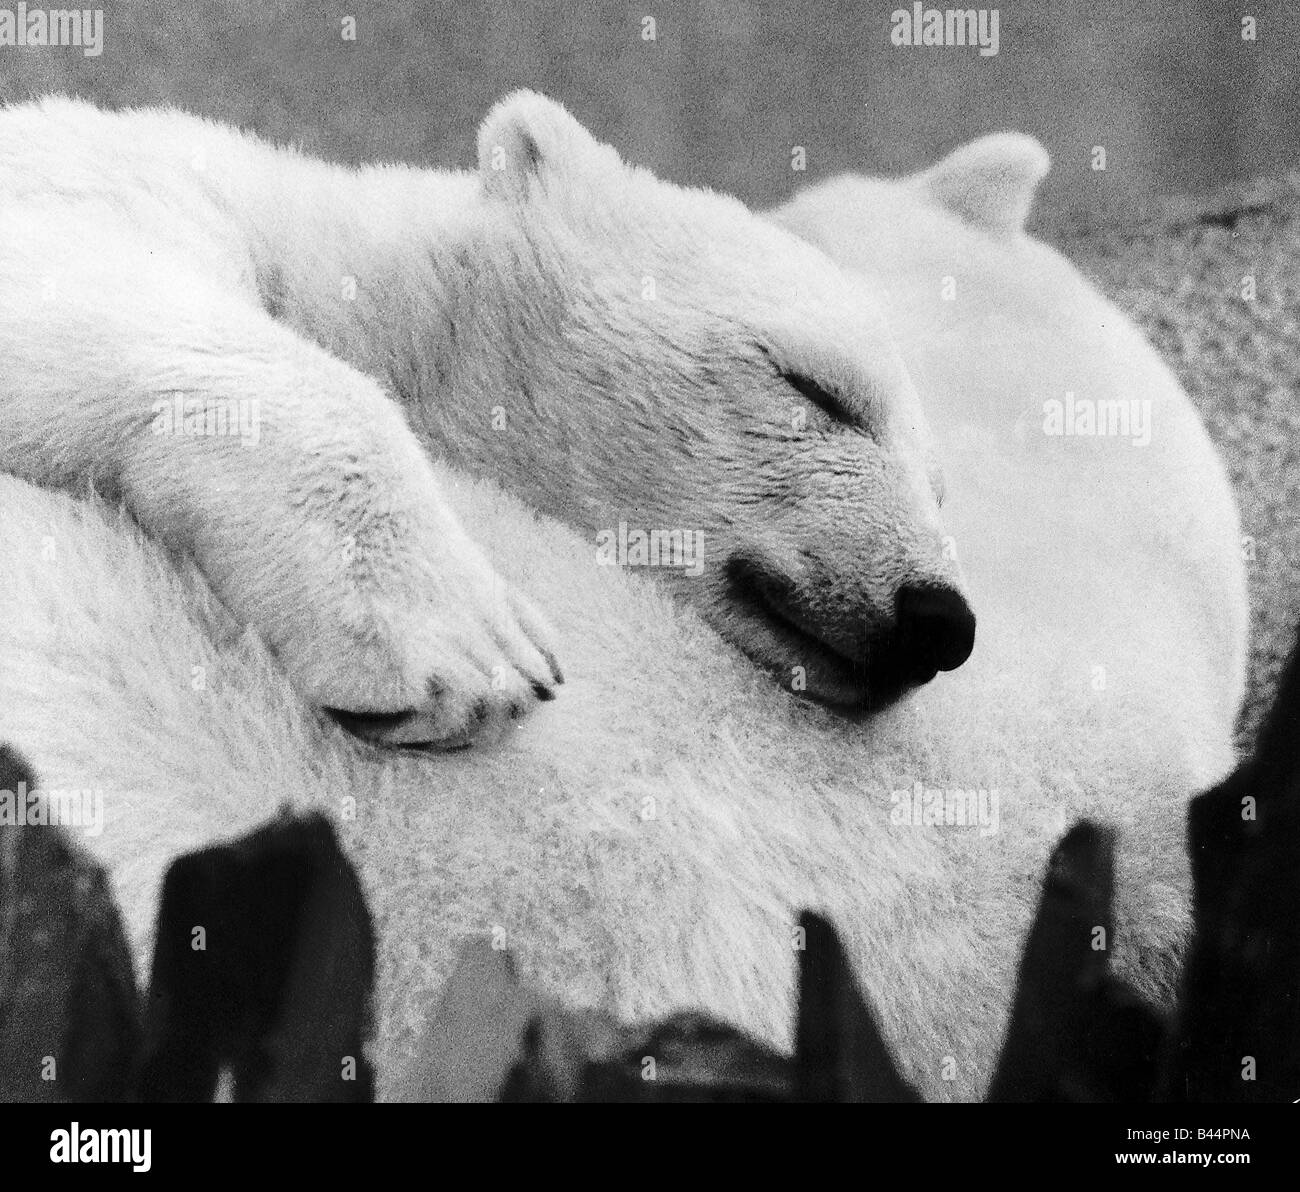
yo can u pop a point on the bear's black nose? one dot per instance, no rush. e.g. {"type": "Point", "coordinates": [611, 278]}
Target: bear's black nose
{"type": "Point", "coordinates": [936, 628]}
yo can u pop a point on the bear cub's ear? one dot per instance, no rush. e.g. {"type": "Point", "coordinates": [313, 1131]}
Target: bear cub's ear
{"type": "Point", "coordinates": [990, 183]}
{"type": "Point", "coordinates": [527, 137]}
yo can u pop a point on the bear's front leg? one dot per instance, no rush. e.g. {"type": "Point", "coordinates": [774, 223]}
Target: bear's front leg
{"type": "Point", "coordinates": [297, 486]}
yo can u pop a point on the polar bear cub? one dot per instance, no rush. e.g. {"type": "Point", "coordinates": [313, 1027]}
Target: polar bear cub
{"type": "Point", "coordinates": [555, 303]}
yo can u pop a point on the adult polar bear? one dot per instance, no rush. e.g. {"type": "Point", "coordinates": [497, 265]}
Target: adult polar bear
{"type": "Point", "coordinates": [646, 838]}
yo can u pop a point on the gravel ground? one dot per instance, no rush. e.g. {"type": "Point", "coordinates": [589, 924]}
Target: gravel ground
{"type": "Point", "coordinates": [1178, 269]}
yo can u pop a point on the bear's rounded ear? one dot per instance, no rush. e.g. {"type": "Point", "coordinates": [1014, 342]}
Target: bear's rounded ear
{"type": "Point", "coordinates": [989, 183]}
{"type": "Point", "coordinates": [527, 137]}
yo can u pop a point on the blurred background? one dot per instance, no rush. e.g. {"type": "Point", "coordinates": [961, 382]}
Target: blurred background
{"type": "Point", "coordinates": [727, 87]}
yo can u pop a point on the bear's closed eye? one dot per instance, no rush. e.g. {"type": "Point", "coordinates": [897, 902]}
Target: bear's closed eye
{"type": "Point", "coordinates": [829, 403]}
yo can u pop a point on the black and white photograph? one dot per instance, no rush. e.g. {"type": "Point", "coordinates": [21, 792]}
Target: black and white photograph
{"type": "Point", "coordinates": [716, 551]}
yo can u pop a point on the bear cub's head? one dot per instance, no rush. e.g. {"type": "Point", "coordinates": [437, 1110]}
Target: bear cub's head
{"type": "Point", "coordinates": [707, 396]}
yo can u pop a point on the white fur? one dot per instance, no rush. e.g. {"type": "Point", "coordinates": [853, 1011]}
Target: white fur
{"type": "Point", "coordinates": [989, 183]}
{"type": "Point", "coordinates": [132, 262]}
{"type": "Point", "coordinates": [646, 840]}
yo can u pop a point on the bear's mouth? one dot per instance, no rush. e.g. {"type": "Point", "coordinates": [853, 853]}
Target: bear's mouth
{"type": "Point", "coordinates": [774, 634]}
